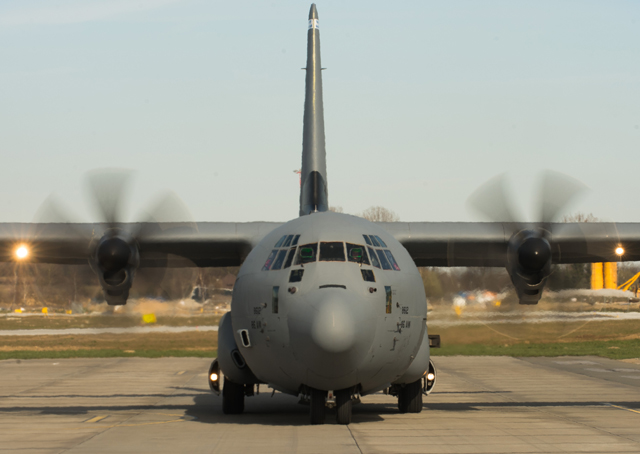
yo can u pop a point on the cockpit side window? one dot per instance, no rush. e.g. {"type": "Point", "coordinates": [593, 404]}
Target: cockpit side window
{"type": "Point", "coordinates": [287, 242]}
{"type": "Point", "coordinates": [269, 261]}
{"type": "Point", "coordinates": [307, 253]}
{"type": "Point", "coordinates": [295, 240]}
{"type": "Point", "coordinates": [367, 240]}
{"type": "Point", "coordinates": [374, 241]}
{"type": "Point", "coordinates": [357, 253]}
{"type": "Point", "coordinates": [392, 260]}
{"type": "Point", "coordinates": [332, 251]}
{"type": "Point", "coordinates": [382, 243]}
{"type": "Point", "coordinates": [280, 241]}
{"type": "Point", "coordinates": [374, 258]}
{"type": "Point", "coordinates": [292, 253]}
{"type": "Point", "coordinates": [279, 260]}
{"type": "Point", "coordinates": [383, 260]}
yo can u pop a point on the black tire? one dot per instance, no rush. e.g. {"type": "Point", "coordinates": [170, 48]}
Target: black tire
{"type": "Point", "coordinates": [232, 397]}
{"type": "Point", "coordinates": [318, 402]}
{"type": "Point", "coordinates": [410, 397]}
{"type": "Point", "coordinates": [343, 406]}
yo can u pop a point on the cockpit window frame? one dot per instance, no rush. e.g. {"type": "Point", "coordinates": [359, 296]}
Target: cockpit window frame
{"type": "Point", "coordinates": [374, 258]}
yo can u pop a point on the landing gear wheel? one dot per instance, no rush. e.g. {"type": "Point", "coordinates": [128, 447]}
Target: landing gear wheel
{"type": "Point", "coordinates": [410, 397]}
{"type": "Point", "coordinates": [318, 401]}
{"type": "Point", "coordinates": [343, 406]}
{"type": "Point", "coordinates": [232, 397]}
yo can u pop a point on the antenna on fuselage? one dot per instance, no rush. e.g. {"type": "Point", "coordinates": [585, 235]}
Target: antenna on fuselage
{"type": "Point", "coordinates": [314, 195]}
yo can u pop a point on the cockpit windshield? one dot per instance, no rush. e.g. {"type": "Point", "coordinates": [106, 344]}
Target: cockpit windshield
{"type": "Point", "coordinates": [357, 253]}
{"type": "Point", "coordinates": [307, 253]}
{"type": "Point", "coordinates": [332, 251]}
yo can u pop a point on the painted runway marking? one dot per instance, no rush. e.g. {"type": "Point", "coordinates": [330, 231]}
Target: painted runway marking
{"type": "Point", "coordinates": [623, 408]}
{"type": "Point", "coordinates": [96, 419]}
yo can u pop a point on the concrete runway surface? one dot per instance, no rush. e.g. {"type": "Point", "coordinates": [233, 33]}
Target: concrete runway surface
{"type": "Point", "coordinates": [480, 405]}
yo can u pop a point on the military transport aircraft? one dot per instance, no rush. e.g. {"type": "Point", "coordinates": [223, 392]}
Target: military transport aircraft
{"type": "Point", "coordinates": [327, 306]}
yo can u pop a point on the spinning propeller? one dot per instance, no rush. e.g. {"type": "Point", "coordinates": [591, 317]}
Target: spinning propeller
{"type": "Point", "coordinates": [114, 253]}
{"type": "Point", "coordinates": [529, 250]}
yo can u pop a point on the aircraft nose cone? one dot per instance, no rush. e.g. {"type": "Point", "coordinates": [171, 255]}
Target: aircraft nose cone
{"type": "Point", "coordinates": [332, 329]}
{"type": "Point", "coordinates": [331, 332]}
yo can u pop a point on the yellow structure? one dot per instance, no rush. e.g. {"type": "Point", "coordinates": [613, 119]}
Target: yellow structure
{"type": "Point", "coordinates": [597, 278]}
{"type": "Point", "coordinates": [611, 275]}
{"type": "Point", "coordinates": [604, 275]}
{"type": "Point", "coordinates": [149, 318]}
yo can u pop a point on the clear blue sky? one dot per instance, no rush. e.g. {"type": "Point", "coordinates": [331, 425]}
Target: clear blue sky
{"type": "Point", "coordinates": [424, 101]}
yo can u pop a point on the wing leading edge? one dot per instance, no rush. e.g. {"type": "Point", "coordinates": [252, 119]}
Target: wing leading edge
{"type": "Point", "coordinates": [486, 243]}
{"type": "Point", "coordinates": [205, 244]}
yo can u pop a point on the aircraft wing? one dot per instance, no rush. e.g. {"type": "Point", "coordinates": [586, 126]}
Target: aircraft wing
{"type": "Point", "coordinates": [487, 243]}
{"type": "Point", "coordinates": [202, 244]}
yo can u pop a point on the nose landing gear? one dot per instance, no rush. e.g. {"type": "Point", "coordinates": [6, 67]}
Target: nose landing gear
{"type": "Point", "coordinates": [344, 404]}
{"type": "Point", "coordinates": [318, 405]}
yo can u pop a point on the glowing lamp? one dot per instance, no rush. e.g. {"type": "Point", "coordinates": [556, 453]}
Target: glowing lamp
{"type": "Point", "coordinates": [213, 377]}
{"type": "Point", "coordinates": [22, 252]}
{"type": "Point", "coordinates": [431, 376]}
{"type": "Point", "coordinates": [619, 251]}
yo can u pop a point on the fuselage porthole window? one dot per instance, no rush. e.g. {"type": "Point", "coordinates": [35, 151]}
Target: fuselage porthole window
{"type": "Point", "coordinates": [295, 240]}
{"type": "Point", "coordinates": [296, 275]}
{"type": "Point", "coordinates": [382, 243]}
{"type": "Point", "coordinates": [307, 253]}
{"type": "Point", "coordinates": [374, 258]}
{"type": "Point", "coordinates": [287, 242]}
{"type": "Point", "coordinates": [292, 253]}
{"type": "Point", "coordinates": [280, 241]}
{"type": "Point", "coordinates": [279, 260]}
{"type": "Point", "coordinates": [367, 240]}
{"type": "Point", "coordinates": [392, 260]}
{"type": "Point", "coordinates": [383, 260]}
{"type": "Point", "coordinates": [332, 251]}
{"type": "Point", "coordinates": [368, 275]}
{"type": "Point", "coordinates": [269, 261]}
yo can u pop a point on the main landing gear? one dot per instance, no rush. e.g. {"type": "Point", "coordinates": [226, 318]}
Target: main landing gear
{"type": "Point", "coordinates": [233, 397]}
{"type": "Point", "coordinates": [410, 397]}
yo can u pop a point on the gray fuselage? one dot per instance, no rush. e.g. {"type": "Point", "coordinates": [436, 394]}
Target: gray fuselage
{"type": "Point", "coordinates": [331, 329]}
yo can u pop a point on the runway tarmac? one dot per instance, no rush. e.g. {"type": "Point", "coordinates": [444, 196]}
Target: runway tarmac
{"type": "Point", "coordinates": [480, 405]}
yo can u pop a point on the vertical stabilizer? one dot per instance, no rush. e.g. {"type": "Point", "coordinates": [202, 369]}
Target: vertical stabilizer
{"type": "Point", "coordinates": [313, 189]}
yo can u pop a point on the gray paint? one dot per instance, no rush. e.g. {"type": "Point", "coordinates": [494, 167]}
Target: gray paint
{"type": "Point", "coordinates": [313, 188]}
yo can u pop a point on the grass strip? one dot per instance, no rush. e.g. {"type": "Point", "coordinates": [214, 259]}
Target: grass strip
{"type": "Point", "coordinates": [105, 353]}
{"type": "Point", "coordinates": [614, 349]}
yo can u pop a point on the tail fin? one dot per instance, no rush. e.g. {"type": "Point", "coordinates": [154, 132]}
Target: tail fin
{"type": "Point", "coordinates": [314, 195]}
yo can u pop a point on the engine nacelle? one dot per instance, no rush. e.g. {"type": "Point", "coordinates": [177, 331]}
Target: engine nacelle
{"type": "Point", "coordinates": [529, 264]}
{"type": "Point", "coordinates": [115, 260]}
{"type": "Point", "coordinates": [231, 361]}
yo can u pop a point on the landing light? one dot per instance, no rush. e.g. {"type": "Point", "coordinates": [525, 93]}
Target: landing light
{"type": "Point", "coordinates": [431, 376]}
{"type": "Point", "coordinates": [213, 377]}
{"type": "Point", "coordinates": [619, 250]}
{"type": "Point", "coordinates": [22, 252]}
